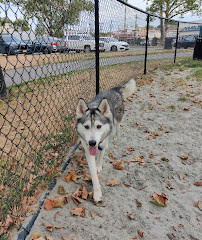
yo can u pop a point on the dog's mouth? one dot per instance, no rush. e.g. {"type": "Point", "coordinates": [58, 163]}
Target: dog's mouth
{"type": "Point", "coordinates": [93, 150]}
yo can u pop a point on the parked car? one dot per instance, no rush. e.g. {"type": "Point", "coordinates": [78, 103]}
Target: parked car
{"type": "Point", "coordinates": [12, 45]}
{"type": "Point", "coordinates": [186, 42]}
{"type": "Point", "coordinates": [143, 42]}
{"type": "Point", "coordinates": [62, 46]}
{"type": "Point", "coordinates": [44, 45]}
{"type": "Point", "coordinates": [82, 42]}
{"type": "Point", "coordinates": [113, 44]}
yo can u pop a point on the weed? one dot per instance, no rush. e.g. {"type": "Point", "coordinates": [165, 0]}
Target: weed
{"type": "Point", "coordinates": [183, 99]}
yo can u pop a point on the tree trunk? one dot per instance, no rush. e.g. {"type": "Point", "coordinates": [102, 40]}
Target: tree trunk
{"type": "Point", "coordinates": [3, 90]}
{"type": "Point", "coordinates": [162, 40]}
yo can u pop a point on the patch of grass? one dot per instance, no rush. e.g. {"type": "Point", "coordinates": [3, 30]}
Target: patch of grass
{"type": "Point", "coordinates": [198, 74]}
{"type": "Point", "coordinates": [183, 99]}
{"type": "Point", "coordinates": [173, 107]}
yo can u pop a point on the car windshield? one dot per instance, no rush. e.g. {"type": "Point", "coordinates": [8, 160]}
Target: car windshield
{"type": "Point", "coordinates": [11, 39]}
{"type": "Point", "coordinates": [88, 37]}
{"type": "Point", "coordinates": [111, 39]}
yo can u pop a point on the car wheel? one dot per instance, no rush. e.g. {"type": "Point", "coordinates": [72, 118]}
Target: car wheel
{"type": "Point", "coordinates": [45, 51]}
{"type": "Point", "coordinates": [87, 49]}
{"type": "Point", "coordinates": [113, 48]}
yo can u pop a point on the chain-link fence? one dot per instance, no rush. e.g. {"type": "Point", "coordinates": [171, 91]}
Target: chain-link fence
{"type": "Point", "coordinates": [48, 61]}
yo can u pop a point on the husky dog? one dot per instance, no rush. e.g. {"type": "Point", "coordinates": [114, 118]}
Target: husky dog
{"type": "Point", "coordinates": [96, 122]}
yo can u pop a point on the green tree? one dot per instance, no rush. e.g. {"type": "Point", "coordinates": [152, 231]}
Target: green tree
{"type": "Point", "coordinates": [20, 24]}
{"type": "Point", "coordinates": [171, 9]}
{"type": "Point", "coordinates": [53, 15]}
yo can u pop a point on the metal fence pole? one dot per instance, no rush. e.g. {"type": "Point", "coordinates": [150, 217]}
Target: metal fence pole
{"type": "Point", "coordinates": [146, 45]}
{"type": "Point", "coordinates": [176, 42]}
{"type": "Point", "coordinates": [3, 90]}
{"type": "Point", "coordinates": [97, 46]}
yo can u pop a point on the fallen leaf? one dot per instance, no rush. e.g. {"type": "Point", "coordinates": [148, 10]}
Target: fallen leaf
{"type": "Point", "coordinates": [140, 233]}
{"type": "Point", "coordinates": [139, 204]}
{"type": "Point", "coordinates": [47, 237]}
{"type": "Point", "coordinates": [35, 236]}
{"type": "Point", "coordinates": [111, 156]}
{"type": "Point", "coordinates": [92, 215]}
{"type": "Point", "coordinates": [165, 159]}
{"type": "Point", "coordinates": [8, 222]}
{"type": "Point", "coordinates": [183, 157]}
{"type": "Point", "coordinates": [135, 237]}
{"type": "Point", "coordinates": [131, 149]}
{"type": "Point", "coordinates": [61, 190]}
{"type": "Point", "coordinates": [49, 227]}
{"type": "Point", "coordinates": [159, 200]}
{"type": "Point", "coordinates": [84, 191]}
{"type": "Point", "coordinates": [198, 184]}
{"type": "Point", "coordinates": [60, 227]}
{"type": "Point", "coordinates": [78, 212]}
{"type": "Point", "coordinates": [87, 176]}
{"type": "Point", "coordinates": [112, 182]}
{"type": "Point", "coordinates": [76, 195]}
{"type": "Point", "coordinates": [49, 204]}
{"type": "Point", "coordinates": [127, 184]}
{"type": "Point", "coordinates": [198, 204]}
{"type": "Point", "coordinates": [69, 177]}
{"type": "Point", "coordinates": [59, 202]}
{"type": "Point", "coordinates": [119, 165]}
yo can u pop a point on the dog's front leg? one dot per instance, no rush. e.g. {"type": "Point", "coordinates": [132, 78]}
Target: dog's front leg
{"type": "Point", "coordinates": [101, 155]}
{"type": "Point", "coordinates": [97, 195]}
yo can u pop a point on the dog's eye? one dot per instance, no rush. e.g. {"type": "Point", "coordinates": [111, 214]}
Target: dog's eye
{"type": "Point", "coordinates": [86, 127]}
{"type": "Point", "coordinates": [99, 126]}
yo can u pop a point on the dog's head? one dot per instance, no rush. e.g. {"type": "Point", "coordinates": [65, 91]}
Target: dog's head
{"type": "Point", "coordinates": [93, 125]}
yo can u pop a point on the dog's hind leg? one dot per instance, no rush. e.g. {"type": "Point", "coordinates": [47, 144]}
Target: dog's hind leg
{"type": "Point", "coordinates": [101, 155]}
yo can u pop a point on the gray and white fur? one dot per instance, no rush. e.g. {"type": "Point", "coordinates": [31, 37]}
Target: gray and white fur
{"type": "Point", "coordinates": [96, 122]}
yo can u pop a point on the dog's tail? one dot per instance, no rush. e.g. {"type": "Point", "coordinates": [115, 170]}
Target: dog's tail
{"type": "Point", "coordinates": [128, 89]}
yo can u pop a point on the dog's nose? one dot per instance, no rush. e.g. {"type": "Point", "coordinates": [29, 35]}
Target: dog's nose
{"type": "Point", "coordinates": [92, 143]}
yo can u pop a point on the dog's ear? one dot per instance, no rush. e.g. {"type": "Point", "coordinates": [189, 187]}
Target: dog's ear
{"type": "Point", "coordinates": [81, 108]}
{"type": "Point", "coordinates": [104, 108]}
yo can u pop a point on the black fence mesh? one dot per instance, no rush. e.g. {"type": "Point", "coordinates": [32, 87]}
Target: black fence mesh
{"type": "Point", "coordinates": [47, 58]}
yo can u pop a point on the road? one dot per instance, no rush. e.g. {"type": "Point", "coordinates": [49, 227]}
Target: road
{"type": "Point", "coordinates": [17, 76]}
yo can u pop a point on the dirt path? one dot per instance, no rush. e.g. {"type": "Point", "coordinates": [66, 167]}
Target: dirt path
{"type": "Point", "coordinates": [162, 122]}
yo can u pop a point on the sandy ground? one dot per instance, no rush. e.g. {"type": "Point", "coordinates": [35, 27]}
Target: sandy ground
{"type": "Point", "coordinates": [162, 120]}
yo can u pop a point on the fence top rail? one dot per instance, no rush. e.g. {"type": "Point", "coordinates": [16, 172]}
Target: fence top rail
{"type": "Point", "coordinates": [154, 15]}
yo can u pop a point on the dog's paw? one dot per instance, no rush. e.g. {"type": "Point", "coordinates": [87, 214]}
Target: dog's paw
{"type": "Point", "coordinates": [97, 196]}
{"type": "Point", "coordinates": [99, 168]}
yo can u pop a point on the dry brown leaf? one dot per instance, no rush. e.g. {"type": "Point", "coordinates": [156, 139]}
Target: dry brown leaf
{"type": "Point", "coordinates": [119, 165]}
{"type": "Point", "coordinates": [59, 202]}
{"type": "Point", "coordinates": [183, 157]}
{"type": "Point", "coordinates": [160, 200]}
{"type": "Point", "coordinates": [60, 227]}
{"type": "Point", "coordinates": [69, 177]}
{"type": "Point", "coordinates": [47, 237]}
{"type": "Point", "coordinates": [140, 233]}
{"type": "Point", "coordinates": [127, 184]}
{"type": "Point", "coordinates": [139, 204]}
{"type": "Point", "coordinates": [198, 204]}
{"type": "Point", "coordinates": [135, 237]}
{"type": "Point", "coordinates": [131, 149]}
{"type": "Point", "coordinates": [87, 176]}
{"type": "Point", "coordinates": [84, 191]}
{"type": "Point", "coordinates": [49, 204]}
{"type": "Point", "coordinates": [111, 156]}
{"type": "Point", "coordinates": [165, 159]}
{"type": "Point", "coordinates": [198, 184]}
{"type": "Point", "coordinates": [112, 182]}
{"type": "Point", "coordinates": [76, 195]}
{"type": "Point", "coordinates": [61, 190]}
{"type": "Point", "coordinates": [8, 222]}
{"type": "Point", "coordinates": [78, 212]}
{"type": "Point", "coordinates": [92, 215]}
{"type": "Point", "coordinates": [49, 227]}
{"type": "Point", "coordinates": [35, 236]}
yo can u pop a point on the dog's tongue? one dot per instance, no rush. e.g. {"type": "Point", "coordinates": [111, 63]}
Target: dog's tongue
{"type": "Point", "coordinates": [93, 150]}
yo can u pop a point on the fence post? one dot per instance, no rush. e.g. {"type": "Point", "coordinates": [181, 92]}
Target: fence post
{"type": "Point", "coordinates": [146, 45]}
{"type": "Point", "coordinates": [3, 90]}
{"type": "Point", "coordinates": [176, 41]}
{"type": "Point", "coordinates": [97, 46]}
